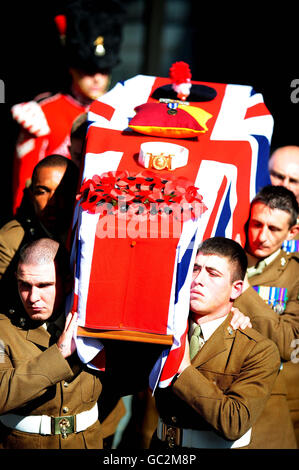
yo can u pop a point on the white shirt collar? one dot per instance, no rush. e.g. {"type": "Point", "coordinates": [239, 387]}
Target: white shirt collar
{"type": "Point", "coordinates": [272, 257]}
{"type": "Point", "coordinates": [207, 328]}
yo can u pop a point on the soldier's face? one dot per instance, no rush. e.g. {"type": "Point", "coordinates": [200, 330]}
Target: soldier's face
{"type": "Point", "coordinates": [212, 288]}
{"type": "Point", "coordinates": [267, 229]}
{"type": "Point", "coordinates": [51, 198]}
{"type": "Point", "coordinates": [40, 290]}
{"type": "Point", "coordinates": [90, 86]}
{"type": "Point", "coordinates": [284, 169]}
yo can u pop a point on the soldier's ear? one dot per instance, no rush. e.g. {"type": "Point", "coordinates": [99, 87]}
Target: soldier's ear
{"type": "Point", "coordinates": [237, 288]}
{"type": "Point", "coordinates": [294, 230]}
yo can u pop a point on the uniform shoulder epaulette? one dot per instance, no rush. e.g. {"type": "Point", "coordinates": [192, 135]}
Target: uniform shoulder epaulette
{"type": "Point", "coordinates": [252, 333]}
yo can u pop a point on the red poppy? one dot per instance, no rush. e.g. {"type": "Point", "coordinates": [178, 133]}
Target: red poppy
{"type": "Point", "coordinates": [140, 196]}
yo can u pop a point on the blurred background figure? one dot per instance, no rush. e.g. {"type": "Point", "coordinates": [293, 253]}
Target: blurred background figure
{"type": "Point", "coordinates": [284, 168]}
{"type": "Point", "coordinates": [284, 171]}
{"type": "Point", "coordinates": [91, 34]}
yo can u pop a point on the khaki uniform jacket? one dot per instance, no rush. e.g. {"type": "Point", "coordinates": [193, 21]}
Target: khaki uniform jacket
{"type": "Point", "coordinates": [13, 235]}
{"type": "Point", "coordinates": [226, 388]}
{"type": "Point", "coordinates": [35, 379]}
{"type": "Point", "coordinates": [283, 328]}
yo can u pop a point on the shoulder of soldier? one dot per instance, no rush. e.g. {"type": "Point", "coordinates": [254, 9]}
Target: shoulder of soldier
{"type": "Point", "coordinates": [253, 335]}
{"type": "Point", "coordinates": [13, 232]}
{"type": "Point", "coordinates": [10, 323]}
{"type": "Point", "coordinates": [293, 256]}
{"type": "Point", "coordinates": [4, 320]}
{"type": "Point", "coordinates": [44, 98]}
{"type": "Point", "coordinates": [3, 316]}
{"type": "Point", "coordinates": [12, 224]}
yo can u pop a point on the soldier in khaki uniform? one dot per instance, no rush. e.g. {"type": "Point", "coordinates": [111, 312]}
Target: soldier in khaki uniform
{"type": "Point", "coordinates": [48, 399]}
{"type": "Point", "coordinates": [46, 212]}
{"type": "Point", "coordinates": [221, 389]}
{"type": "Point", "coordinates": [271, 287]}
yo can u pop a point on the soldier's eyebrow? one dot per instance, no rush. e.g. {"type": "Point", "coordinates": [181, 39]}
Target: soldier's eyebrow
{"type": "Point", "coordinates": [37, 284]}
{"type": "Point", "coordinates": [208, 268]}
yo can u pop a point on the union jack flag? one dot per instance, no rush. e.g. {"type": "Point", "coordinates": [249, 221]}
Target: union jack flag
{"type": "Point", "coordinates": [228, 165]}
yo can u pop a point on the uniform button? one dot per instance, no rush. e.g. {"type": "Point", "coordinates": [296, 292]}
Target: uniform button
{"type": "Point", "coordinates": [174, 419]}
{"type": "Point", "coordinates": [65, 384]}
{"type": "Point", "coordinates": [65, 409]}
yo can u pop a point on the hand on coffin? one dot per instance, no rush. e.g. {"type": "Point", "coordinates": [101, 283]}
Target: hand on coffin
{"type": "Point", "coordinates": [239, 320]}
{"type": "Point", "coordinates": [66, 342]}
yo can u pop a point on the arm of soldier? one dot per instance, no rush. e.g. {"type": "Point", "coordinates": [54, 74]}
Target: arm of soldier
{"type": "Point", "coordinates": [238, 320]}
{"type": "Point", "coordinates": [23, 381]}
{"type": "Point", "coordinates": [233, 409]}
{"type": "Point", "coordinates": [11, 236]}
{"type": "Point", "coordinates": [280, 328]}
{"type": "Point", "coordinates": [26, 376]}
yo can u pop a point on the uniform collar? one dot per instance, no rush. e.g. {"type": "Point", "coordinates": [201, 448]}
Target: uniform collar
{"type": "Point", "coordinates": [260, 266]}
{"type": "Point", "coordinates": [207, 328]}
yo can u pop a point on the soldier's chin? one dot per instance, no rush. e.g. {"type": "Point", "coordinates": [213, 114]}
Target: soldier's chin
{"type": "Point", "coordinates": [95, 95]}
{"type": "Point", "coordinates": [261, 253]}
{"type": "Point", "coordinates": [38, 316]}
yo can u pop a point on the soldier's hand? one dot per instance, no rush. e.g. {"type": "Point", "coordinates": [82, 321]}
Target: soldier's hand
{"type": "Point", "coordinates": [66, 342]}
{"type": "Point", "coordinates": [239, 320]}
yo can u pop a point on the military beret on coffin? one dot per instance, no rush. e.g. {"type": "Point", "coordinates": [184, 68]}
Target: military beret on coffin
{"type": "Point", "coordinates": [93, 34]}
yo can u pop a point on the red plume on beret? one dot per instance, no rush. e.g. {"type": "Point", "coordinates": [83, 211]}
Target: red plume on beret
{"type": "Point", "coordinates": [60, 21]}
{"type": "Point", "coordinates": [180, 72]}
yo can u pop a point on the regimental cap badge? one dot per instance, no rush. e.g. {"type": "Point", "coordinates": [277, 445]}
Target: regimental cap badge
{"type": "Point", "coordinates": [99, 46]}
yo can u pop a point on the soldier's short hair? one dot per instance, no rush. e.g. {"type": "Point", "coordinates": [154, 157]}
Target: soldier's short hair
{"type": "Point", "coordinates": [57, 161]}
{"type": "Point", "coordinates": [278, 197]}
{"type": "Point", "coordinates": [229, 249]}
{"type": "Point", "coordinates": [46, 251]}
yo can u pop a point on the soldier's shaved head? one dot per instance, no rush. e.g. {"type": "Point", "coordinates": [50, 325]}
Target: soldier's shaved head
{"type": "Point", "coordinates": [46, 251]}
{"type": "Point", "coordinates": [41, 251]}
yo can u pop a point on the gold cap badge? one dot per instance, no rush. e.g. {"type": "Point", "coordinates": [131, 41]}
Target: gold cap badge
{"type": "Point", "coordinates": [100, 49]}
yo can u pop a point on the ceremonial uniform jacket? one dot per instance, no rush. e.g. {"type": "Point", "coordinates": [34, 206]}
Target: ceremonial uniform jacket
{"type": "Point", "coordinates": [35, 379]}
{"type": "Point", "coordinates": [226, 389]}
{"type": "Point", "coordinates": [282, 328]}
{"type": "Point", "coordinates": [46, 126]}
